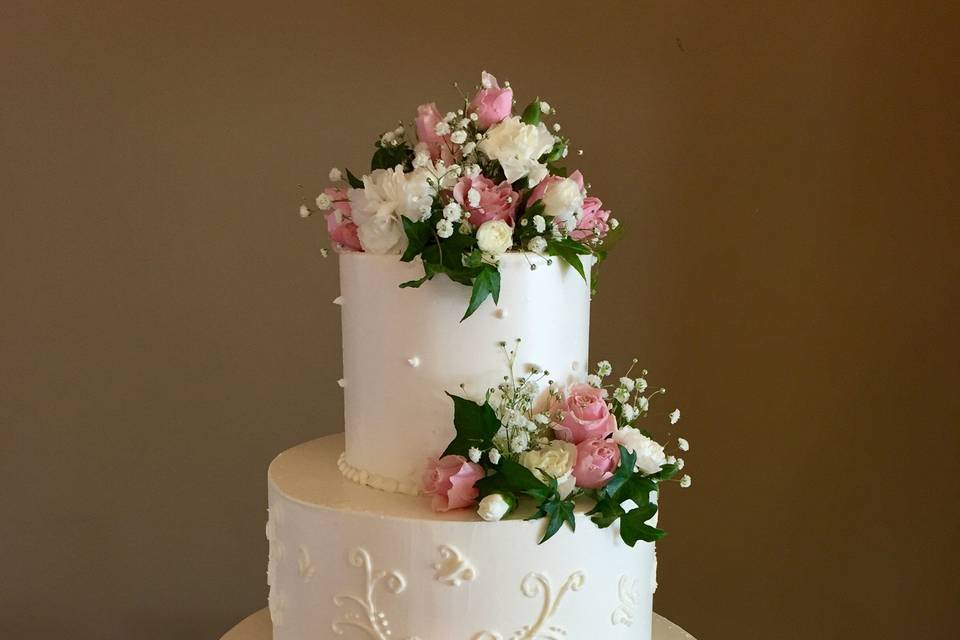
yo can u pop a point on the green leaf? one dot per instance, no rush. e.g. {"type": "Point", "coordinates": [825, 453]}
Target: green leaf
{"type": "Point", "coordinates": [418, 235]}
{"type": "Point", "coordinates": [666, 472]}
{"type": "Point", "coordinates": [531, 115]}
{"type": "Point", "coordinates": [555, 153]}
{"type": "Point", "coordinates": [634, 527]}
{"type": "Point", "coordinates": [605, 512]}
{"type": "Point", "coordinates": [486, 283]}
{"type": "Point", "coordinates": [354, 181]}
{"type": "Point", "coordinates": [476, 425]}
{"type": "Point", "coordinates": [389, 157]}
{"type": "Point", "coordinates": [414, 284]}
{"type": "Point", "coordinates": [556, 512]}
{"type": "Point", "coordinates": [570, 254]}
{"type": "Point", "coordinates": [557, 170]}
{"type": "Point", "coordinates": [628, 460]}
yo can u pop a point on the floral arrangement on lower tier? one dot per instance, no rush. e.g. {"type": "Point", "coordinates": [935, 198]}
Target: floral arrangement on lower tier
{"type": "Point", "coordinates": [583, 442]}
{"type": "Point", "coordinates": [469, 186]}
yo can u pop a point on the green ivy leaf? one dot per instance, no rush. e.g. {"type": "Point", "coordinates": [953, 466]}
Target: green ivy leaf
{"type": "Point", "coordinates": [556, 512]}
{"type": "Point", "coordinates": [354, 181]}
{"type": "Point", "coordinates": [628, 460]}
{"type": "Point", "coordinates": [475, 423]}
{"type": "Point", "coordinates": [486, 283]}
{"type": "Point", "coordinates": [634, 527]}
{"type": "Point", "coordinates": [667, 471]}
{"type": "Point", "coordinates": [418, 235]}
{"type": "Point", "coordinates": [531, 115]}
{"type": "Point", "coordinates": [569, 251]}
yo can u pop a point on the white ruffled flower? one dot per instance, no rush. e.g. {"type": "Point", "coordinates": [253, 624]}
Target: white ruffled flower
{"type": "Point", "coordinates": [474, 454]}
{"type": "Point", "coordinates": [388, 195]}
{"type": "Point", "coordinates": [444, 228]}
{"type": "Point", "coordinates": [675, 416]}
{"type": "Point", "coordinates": [453, 211]}
{"type": "Point", "coordinates": [494, 507]}
{"type": "Point", "coordinates": [650, 455]}
{"type": "Point", "coordinates": [542, 418]}
{"type": "Point", "coordinates": [627, 383]}
{"type": "Point", "coordinates": [335, 175]}
{"type": "Point", "coordinates": [494, 456]}
{"type": "Point", "coordinates": [686, 481]}
{"type": "Point", "coordinates": [458, 137]}
{"type": "Point", "coordinates": [683, 444]}
{"type": "Point", "coordinates": [629, 412]}
{"type": "Point", "coordinates": [469, 147]}
{"type": "Point", "coordinates": [495, 237]}
{"type": "Point", "coordinates": [680, 463]}
{"type": "Point", "coordinates": [556, 460]}
{"type": "Point", "coordinates": [641, 385]}
{"type": "Point", "coordinates": [537, 244]}
{"type": "Point", "coordinates": [442, 128]}
{"type": "Point", "coordinates": [304, 211]}
{"type": "Point", "coordinates": [594, 380]}
{"type": "Point", "coordinates": [614, 223]}
{"type": "Point", "coordinates": [563, 200]}
{"type": "Point", "coordinates": [604, 368]}
{"type": "Point", "coordinates": [544, 106]}
{"type": "Point", "coordinates": [473, 197]}
{"type": "Point", "coordinates": [517, 147]}
{"type": "Point", "coordinates": [537, 173]}
{"type": "Point", "coordinates": [644, 403]}
{"type": "Point", "coordinates": [421, 155]}
{"type": "Point", "coordinates": [539, 223]}
{"type": "Point", "coordinates": [621, 395]}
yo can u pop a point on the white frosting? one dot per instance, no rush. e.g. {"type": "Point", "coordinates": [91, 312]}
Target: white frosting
{"type": "Point", "coordinates": [403, 348]}
{"type": "Point", "coordinates": [387, 566]}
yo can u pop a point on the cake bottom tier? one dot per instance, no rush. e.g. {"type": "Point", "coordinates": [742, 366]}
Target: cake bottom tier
{"type": "Point", "coordinates": [346, 560]}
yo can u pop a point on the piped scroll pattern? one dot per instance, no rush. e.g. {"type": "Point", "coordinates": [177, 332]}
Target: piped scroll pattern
{"type": "Point", "coordinates": [537, 584]}
{"type": "Point", "coordinates": [629, 593]}
{"type": "Point", "coordinates": [368, 618]}
{"type": "Point", "coordinates": [453, 569]}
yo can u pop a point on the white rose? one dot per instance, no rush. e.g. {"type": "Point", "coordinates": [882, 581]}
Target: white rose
{"type": "Point", "coordinates": [563, 200]}
{"type": "Point", "coordinates": [556, 460]}
{"type": "Point", "coordinates": [387, 196]}
{"type": "Point", "coordinates": [495, 506]}
{"type": "Point", "coordinates": [650, 455]}
{"type": "Point", "coordinates": [517, 146]}
{"type": "Point", "coordinates": [495, 237]}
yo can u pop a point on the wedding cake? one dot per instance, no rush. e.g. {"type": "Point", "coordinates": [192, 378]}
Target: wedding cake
{"type": "Point", "coordinates": [489, 484]}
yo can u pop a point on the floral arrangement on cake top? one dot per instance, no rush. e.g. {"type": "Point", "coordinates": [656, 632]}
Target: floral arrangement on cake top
{"type": "Point", "coordinates": [584, 443]}
{"type": "Point", "coordinates": [459, 189]}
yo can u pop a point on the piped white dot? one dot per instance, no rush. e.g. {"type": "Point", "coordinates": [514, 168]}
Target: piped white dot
{"type": "Point", "coordinates": [501, 313]}
{"type": "Point", "coordinates": [338, 301]}
{"type": "Point", "coordinates": [414, 362]}
{"type": "Point", "coordinates": [342, 382]}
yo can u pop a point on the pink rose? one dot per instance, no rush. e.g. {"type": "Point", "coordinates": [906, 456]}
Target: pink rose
{"type": "Point", "coordinates": [538, 191]}
{"type": "Point", "coordinates": [492, 201]}
{"type": "Point", "coordinates": [593, 218]}
{"type": "Point", "coordinates": [491, 104]}
{"type": "Point", "coordinates": [450, 481]}
{"type": "Point", "coordinates": [428, 117]}
{"type": "Point", "coordinates": [583, 414]}
{"type": "Point", "coordinates": [597, 459]}
{"type": "Point", "coordinates": [340, 225]}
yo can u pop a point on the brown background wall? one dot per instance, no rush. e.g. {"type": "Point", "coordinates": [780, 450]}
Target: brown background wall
{"type": "Point", "coordinates": [788, 173]}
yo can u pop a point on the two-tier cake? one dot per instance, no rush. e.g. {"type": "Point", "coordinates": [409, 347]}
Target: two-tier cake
{"type": "Point", "coordinates": [490, 484]}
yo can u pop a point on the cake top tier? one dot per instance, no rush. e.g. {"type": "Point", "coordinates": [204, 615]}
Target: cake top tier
{"type": "Point", "coordinates": [460, 189]}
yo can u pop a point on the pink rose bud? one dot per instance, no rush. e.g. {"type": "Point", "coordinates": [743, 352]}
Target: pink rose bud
{"type": "Point", "coordinates": [491, 104]}
{"type": "Point", "coordinates": [450, 481]}
{"type": "Point", "coordinates": [496, 201]}
{"type": "Point", "coordinates": [340, 225]}
{"type": "Point", "coordinates": [596, 462]}
{"type": "Point", "coordinates": [583, 414]}
{"type": "Point", "coordinates": [593, 221]}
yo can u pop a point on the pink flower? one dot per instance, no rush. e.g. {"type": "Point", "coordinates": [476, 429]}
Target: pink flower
{"type": "Point", "coordinates": [597, 459]}
{"type": "Point", "coordinates": [538, 191]}
{"type": "Point", "coordinates": [593, 218]}
{"type": "Point", "coordinates": [583, 414]}
{"type": "Point", "coordinates": [491, 104]}
{"type": "Point", "coordinates": [428, 117]}
{"type": "Point", "coordinates": [340, 225]}
{"type": "Point", "coordinates": [450, 481]}
{"type": "Point", "coordinates": [490, 202]}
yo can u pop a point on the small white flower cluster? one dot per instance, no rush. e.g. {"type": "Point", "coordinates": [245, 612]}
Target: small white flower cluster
{"type": "Point", "coordinates": [630, 403]}
{"type": "Point", "coordinates": [513, 402]}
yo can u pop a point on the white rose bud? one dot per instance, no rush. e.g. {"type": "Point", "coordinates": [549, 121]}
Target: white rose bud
{"type": "Point", "coordinates": [495, 506]}
{"type": "Point", "coordinates": [495, 237]}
